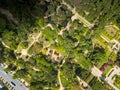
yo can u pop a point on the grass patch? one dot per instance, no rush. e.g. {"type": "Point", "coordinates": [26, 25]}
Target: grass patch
{"type": "Point", "coordinates": [102, 61]}
{"type": "Point", "coordinates": [89, 78]}
{"type": "Point", "coordinates": [109, 67]}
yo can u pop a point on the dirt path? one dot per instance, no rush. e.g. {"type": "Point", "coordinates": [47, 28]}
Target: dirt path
{"type": "Point", "coordinates": [105, 38]}
{"type": "Point", "coordinates": [77, 16]}
{"type": "Point", "coordinates": [66, 28]}
{"type": "Point", "coordinates": [8, 15]}
{"type": "Point", "coordinates": [59, 79]}
{"type": "Point", "coordinates": [25, 51]}
{"type": "Point", "coordinates": [5, 45]}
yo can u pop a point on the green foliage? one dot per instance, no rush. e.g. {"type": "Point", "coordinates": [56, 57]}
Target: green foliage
{"type": "Point", "coordinates": [117, 81]}
{"type": "Point", "coordinates": [118, 58]}
{"type": "Point", "coordinates": [2, 59]}
{"type": "Point", "coordinates": [22, 73]}
{"type": "Point", "coordinates": [8, 56]}
{"type": "Point", "coordinates": [97, 86]}
{"type": "Point", "coordinates": [2, 24]}
{"type": "Point", "coordinates": [47, 75]}
{"type": "Point", "coordinates": [61, 49]}
{"type": "Point", "coordinates": [84, 62]}
{"type": "Point", "coordinates": [49, 34]}
{"type": "Point", "coordinates": [97, 54]}
{"type": "Point", "coordinates": [35, 49]}
{"type": "Point", "coordinates": [40, 22]}
{"type": "Point", "coordinates": [9, 39]}
{"type": "Point", "coordinates": [81, 72]}
{"type": "Point", "coordinates": [32, 17]}
{"type": "Point", "coordinates": [4, 88]}
{"type": "Point", "coordinates": [67, 74]}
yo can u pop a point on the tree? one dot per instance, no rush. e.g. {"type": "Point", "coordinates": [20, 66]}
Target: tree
{"type": "Point", "coordinates": [67, 74]}
{"type": "Point", "coordinates": [22, 73]}
{"type": "Point", "coordinates": [2, 59]}
{"type": "Point", "coordinates": [117, 81]}
{"type": "Point", "coordinates": [97, 54]}
{"type": "Point", "coordinates": [81, 72]}
{"type": "Point", "coordinates": [49, 34]}
{"type": "Point", "coordinates": [9, 38]}
{"type": "Point", "coordinates": [35, 49]}
{"type": "Point", "coordinates": [118, 58]}
{"type": "Point", "coordinates": [97, 86]}
{"type": "Point", "coordinates": [84, 62]}
{"type": "Point", "coordinates": [2, 24]}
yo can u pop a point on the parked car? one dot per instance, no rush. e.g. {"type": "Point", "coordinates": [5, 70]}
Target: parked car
{"type": "Point", "coordinates": [13, 84]}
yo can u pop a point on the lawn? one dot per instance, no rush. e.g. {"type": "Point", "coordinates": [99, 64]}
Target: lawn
{"type": "Point", "coordinates": [89, 78]}
{"type": "Point", "coordinates": [109, 67]}
{"type": "Point", "coordinates": [102, 61]}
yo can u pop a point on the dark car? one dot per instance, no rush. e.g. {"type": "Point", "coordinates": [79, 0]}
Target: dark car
{"type": "Point", "coordinates": [13, 83]}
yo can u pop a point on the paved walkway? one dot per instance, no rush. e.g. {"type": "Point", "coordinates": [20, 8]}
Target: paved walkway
{"type": "Point", "coordinates": [115, 71]}
{"type": "Point", "coordinates": [105, 38]}
{"type": "Point", "coordinates": [96, 72]}
{"type": "Point", "coordinates": [59, 79]}
{"type": "Point", "coordinates": [77, 16]}
{"type": "Point", "coordinates": [83, 84]}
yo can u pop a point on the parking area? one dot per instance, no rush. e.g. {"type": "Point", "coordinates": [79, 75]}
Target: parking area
{"type": "Point", "coordinates": [13, 84]}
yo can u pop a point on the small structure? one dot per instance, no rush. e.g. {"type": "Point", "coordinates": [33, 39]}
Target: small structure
{"type": "Point", "coordinates": [114, 46]}
{"type": "Point", "coordinates": [56, 56]}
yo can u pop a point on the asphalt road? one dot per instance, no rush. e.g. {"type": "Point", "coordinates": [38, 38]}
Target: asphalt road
{"type": "Point", "coordinates": [97, 73]}
{"type": "Point", "coordinates": [115, 71]}
{"type": "Point", "coordinates": [7, 77]}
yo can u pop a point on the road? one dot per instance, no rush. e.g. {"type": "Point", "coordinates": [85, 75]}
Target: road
{"type": "Point", "coordinates": [116, 70]}
{"type": "Point", "coordinates": [96, 72]}
{"type": "Point", "coordinates": [7, 77]}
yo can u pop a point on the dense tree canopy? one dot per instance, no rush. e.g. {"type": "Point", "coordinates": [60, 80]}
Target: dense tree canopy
{"type": "Point", "coordinates": [38, 38]}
